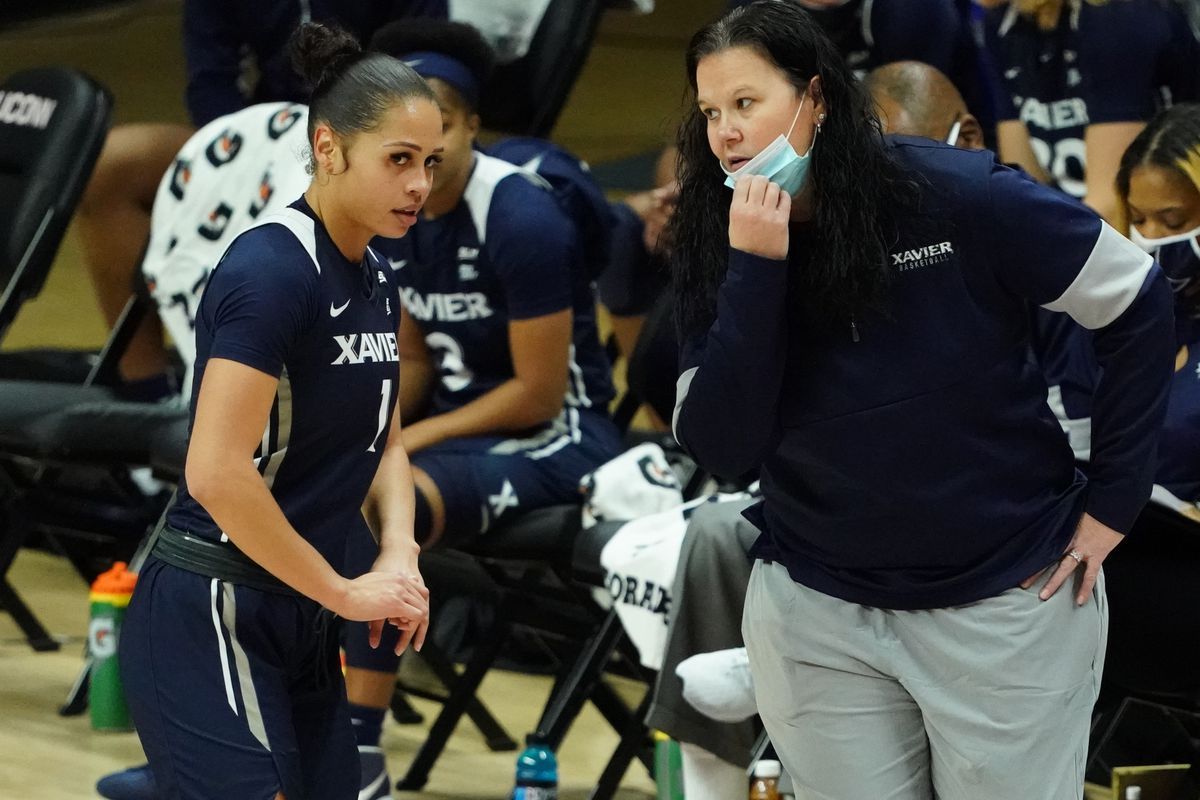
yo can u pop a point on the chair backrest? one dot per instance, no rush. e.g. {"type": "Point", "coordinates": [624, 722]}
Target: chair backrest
{"type": "Point", "coordinates": [525, 96]}
{"type": "Point", "coordinates": [53, 122]}
{"type": "Point", "coordinates": [1153, 650]}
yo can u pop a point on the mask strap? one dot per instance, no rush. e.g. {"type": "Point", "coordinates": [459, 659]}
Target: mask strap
{"type": "Point", "coordinates": [796, 118]}
{"type": "Point", "coordinates": [952, 138]}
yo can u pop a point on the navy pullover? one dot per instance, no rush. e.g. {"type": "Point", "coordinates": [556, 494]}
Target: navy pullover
{"type": "Point", "coordinates": [920, 466]}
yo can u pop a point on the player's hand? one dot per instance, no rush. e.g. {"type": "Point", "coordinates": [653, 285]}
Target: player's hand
{"type": "Point", "coordinates": [411, 631]}
{"type": "Point", "coordinates": [383, 595]}
{"type": "Point", "coordinates": [1091, 544]}
{"type": "Point", "coordinates": [657, 216]}
{"type": "Point", "coordinates": [758, 218]}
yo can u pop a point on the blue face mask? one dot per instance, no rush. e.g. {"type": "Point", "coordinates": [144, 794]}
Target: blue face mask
{"type": "Point", "coordinates": [778, 162]}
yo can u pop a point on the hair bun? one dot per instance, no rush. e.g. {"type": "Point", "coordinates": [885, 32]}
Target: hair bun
{"type": "Point", "coordinates": [320, 53]}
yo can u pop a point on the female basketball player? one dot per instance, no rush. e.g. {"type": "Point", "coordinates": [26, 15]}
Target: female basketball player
{"type": "Point", "coordinates": [856, 331]}
{"type": "Point", "coordinates": [229, 653]}
{"type": "Point", "coordinates": [1079, 79]}
{"type": "Point", "coordinates": [498, 348]}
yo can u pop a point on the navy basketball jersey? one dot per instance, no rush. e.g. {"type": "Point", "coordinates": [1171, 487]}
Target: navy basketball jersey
{"type": "Point", "coordinates": [871, 33]}
{"type": "Point", "coordinates": [506, 252]}
{"type": "Point", "coordinates": [285, 301]}
{"type": "Point", "coordinates": [1119, 62]}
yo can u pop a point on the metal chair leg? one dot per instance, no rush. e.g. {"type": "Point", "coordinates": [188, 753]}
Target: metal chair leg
{"type": "Point", "coordinates": [461, 693]}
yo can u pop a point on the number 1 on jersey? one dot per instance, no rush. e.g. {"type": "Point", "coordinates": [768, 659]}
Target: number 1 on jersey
{"type": "Point", "coordinates": [385, 399]}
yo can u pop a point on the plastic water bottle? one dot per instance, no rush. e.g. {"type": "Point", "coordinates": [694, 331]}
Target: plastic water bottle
{"type": "Point", "coordinates": [668, 768]}
{"type": "Point", "coordinates": [537, 771]}
{"type": "Point", "coordinates": [106, 698]}
{"type": "Point", "coordinates": [765, 785]}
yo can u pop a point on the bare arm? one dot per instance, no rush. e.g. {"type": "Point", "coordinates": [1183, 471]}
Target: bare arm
{"type": "Point", "coordinates": [231, 412]}
{"type": "Point", "coordinates": [417, 374]}
{"type": "Point", "coordinates": [540, 350]}
{"type": "Point", "coordinates": [1015, 148]}
{"type": "Point", "coordinates": [390, 504]}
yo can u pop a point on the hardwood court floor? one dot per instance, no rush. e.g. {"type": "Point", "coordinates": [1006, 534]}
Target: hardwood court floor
{"type": "Point", "coordinates": [622, 105]}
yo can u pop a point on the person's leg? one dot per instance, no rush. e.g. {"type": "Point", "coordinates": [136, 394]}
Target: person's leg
{"type": "Point", "coordinates": [1007, 687]}
{"type": "Point", "coordinates": [327, 756]}
{"type": "Point", "coordinates": [466, 486]}
{"type": "Point", "coordinates": [204, 668]}
{"type": "Point", "coordinates": [706, 616]}
{"type": "Point", "coordinates": [113, 221]}
{"type": "Point", "coordinates": [842, 725]}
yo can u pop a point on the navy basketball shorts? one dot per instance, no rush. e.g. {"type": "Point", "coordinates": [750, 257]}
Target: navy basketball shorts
{"type": "Point", "coordinates": [488, 480]}
{"type": "Point", "coordinates": [236, 692]}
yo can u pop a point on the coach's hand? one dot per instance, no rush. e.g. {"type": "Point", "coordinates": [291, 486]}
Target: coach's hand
{"type": "Point", "coordinates": [1091, 544]}
{"type": "Point", "coordinates": [758, 218]}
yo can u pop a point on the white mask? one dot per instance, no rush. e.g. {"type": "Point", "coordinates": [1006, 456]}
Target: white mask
{"type": "Point", "coordinates": [1151, 246]}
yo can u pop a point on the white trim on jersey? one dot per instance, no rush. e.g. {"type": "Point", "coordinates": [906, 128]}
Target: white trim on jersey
{"type": "Point", "coordinates": [1010, 19]}
{"type": "Point", "coordinates": [486, 175]}
{"type": "Point", "coordinates": [1109, 282]}
{"type": "Point", "coordinates": [245, 680]}
{"type": "Point", "coordinates": [300, 224]}
{"type": "Point", "coordinates": [577, 388]}
{"type": "Point", "coordinates": [283, 435]}
{"type": "Point", "coordinates": [221, 648]}
{"type": "Point", "coordinates": [682, 386]}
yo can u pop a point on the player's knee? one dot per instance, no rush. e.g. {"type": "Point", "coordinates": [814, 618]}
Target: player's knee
{"type": "Point", "coordinates": [429, 512]}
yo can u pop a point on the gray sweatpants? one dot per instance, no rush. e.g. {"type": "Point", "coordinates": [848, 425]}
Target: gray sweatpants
{"type": "Point", "coordinates": [988, 701]}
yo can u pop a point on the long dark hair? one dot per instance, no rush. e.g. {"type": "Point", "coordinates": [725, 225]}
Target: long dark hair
{"type": "Point", "coordinates": [1170, 140]}
{"type": "Point", "coordinates": [857, 186]}
{"type": "Point", "coordinates": [351, 89]}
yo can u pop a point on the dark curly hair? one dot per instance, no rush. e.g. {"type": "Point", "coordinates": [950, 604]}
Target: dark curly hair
{"type": "Point", "coordinates": [858, 188]}
{"type": "Point", "coordinates": [460, 41]}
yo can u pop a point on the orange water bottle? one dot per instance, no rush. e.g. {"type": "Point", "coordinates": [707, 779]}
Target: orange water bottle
{"type": "Point", "coordinates": [109, 597]}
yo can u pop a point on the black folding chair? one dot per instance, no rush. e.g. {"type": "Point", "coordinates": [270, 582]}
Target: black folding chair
{"type": "Point", "coordinates": [53, 122]}
{"type": "Point", "coordinates": [52, 126]}
{"type": "Point", "coordinates": [545, 566]}
{"type": "Point", "coordinates": [1154, 615]}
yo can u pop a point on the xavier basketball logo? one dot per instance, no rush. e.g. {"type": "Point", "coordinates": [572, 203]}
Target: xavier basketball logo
{"type": "Point", "coordinates": [283, 122]}
{"type": "Point", "coordinates": [224, 148]}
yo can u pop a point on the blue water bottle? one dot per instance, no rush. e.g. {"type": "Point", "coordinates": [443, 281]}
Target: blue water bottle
{"type": "Point", "coordinates": [537, 771]}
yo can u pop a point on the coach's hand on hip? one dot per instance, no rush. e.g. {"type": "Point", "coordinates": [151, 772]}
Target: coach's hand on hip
{"type": "Point", "coordinates": [1091, 544]}
{"type": "Point", "coordinates": [758, 218]}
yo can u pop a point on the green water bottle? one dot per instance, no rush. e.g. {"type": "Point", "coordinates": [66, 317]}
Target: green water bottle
{"type": "Point", "coordinates": [668, 768]}
{"type": "Point", "coordinates": [109, 597]}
